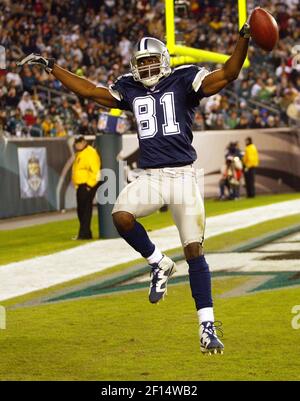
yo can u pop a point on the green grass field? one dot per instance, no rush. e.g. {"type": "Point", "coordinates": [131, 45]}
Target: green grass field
{"type": "Point", "coordinates": [218, 243]}
{"type": "Point", "coordinates": [48, 238]}
{"type": "Point", "coordinates": [117, 336]}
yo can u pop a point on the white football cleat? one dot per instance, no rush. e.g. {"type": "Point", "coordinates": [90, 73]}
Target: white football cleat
{"type": "Point", "coordinates": [209, 342]}
{"type": "Point", "coordinates": [160, 274]}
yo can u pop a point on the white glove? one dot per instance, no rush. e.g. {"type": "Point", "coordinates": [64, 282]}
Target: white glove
{"type": "Point", "coordinates": [37, 59]}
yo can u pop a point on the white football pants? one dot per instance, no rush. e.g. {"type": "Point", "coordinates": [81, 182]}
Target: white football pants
{"type": "Point", "coordinates": [176, 187]}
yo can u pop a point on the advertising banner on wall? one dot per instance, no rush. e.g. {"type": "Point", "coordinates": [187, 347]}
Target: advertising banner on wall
{"type": "Point", "coordinates": [33, 172]}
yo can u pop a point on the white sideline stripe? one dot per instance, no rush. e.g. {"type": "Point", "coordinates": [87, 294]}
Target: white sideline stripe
{"type": "Point", "coordinates": [236, 262]}
{"type": "Point", "coordinates": [45, 271]}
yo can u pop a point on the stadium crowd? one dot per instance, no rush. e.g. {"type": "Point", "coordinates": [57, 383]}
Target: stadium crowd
{"type": "Point", "coordinates": [94, 38]}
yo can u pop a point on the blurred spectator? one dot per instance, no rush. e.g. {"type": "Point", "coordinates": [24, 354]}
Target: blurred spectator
{"type": "Point", "coordinates": [15, 124]}
{"type": "Point", "coordinates": [219, 123]}
{"type": "Point", "coordinates": [47, 126]}
{"type": "Point", "coordinates": [264, 94]}
{"type": "Point", "coordinates": [273, 122]}
{"type": "Point", "coordinates": [125, 50]}
{"type": "Point", "coordinates": [29, 117]}
{"type": "Point", "coordinates": [257, 122]}
{"type": "Point", "coordinates": [77, 108]}
{"type": "Point", "coordinates": [245, 111]}
{"type": "Point", "coordinates": [231, 177]}
{"type": "Point", "coordinates": [257, 87]}
{"type": "Point", "coordinates": [13, 76]}
{"type": "Point", "coordinates": [233, 150]}
{"type": "Point", "coordinates": [243, 123]}
{"type": "Point", "coordinates": [244, 90]}
{"type": "Point", "coordinates": [59, 128]}
{"type": "Point", "coordinates": [83, 128]}
{"type": "Point", "coordinates": [283, 69]}
{"type": "Point", "coordinates": [29, 80]}
{"type": "Point", "coordinates": [38, 104]}
{"type": "Point", "coordinates": [26, 104]}
{"type": "Point", "coordinates": [12, 98]}
{"type": "Point", "coordinates": [251, 161]}
{"type": "Point", "coordinates": [233, 120]}
{"type": "Point", "coordinates": [264, 116]}
{"type": "Point", "coordinates": [271, 87]}
{"type": "Point", "coordinates": [36, 129]}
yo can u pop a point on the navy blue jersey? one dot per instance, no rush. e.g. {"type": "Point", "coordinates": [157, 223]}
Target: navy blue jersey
{"type": "Point", "coordinates": [164, 115]}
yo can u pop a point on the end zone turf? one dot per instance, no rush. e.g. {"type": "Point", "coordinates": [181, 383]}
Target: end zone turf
{"type": "Point", "coordinates": [115, 338]}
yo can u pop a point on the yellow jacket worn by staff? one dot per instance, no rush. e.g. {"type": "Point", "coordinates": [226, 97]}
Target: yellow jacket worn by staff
{"type": "Point", "coordinates": [86, 167]}
{"type": "Point", "coordinates": [250, 158]}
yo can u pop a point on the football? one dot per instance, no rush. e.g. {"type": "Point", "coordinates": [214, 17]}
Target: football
{"type": "Point", "coordinates": [264, 29]}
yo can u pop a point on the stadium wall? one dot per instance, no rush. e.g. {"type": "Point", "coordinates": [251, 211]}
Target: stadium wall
{"type": "Point", "coordinates": [35, 173]}
{"type": "Point", "coordinates": [279, 152]}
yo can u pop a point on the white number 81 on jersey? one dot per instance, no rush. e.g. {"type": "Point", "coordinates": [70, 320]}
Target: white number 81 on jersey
{"type": "Point", "coordinates": [145, 113]}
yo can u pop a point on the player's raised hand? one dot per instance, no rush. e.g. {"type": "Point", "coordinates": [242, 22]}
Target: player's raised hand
{"type": "Point", "coordinates": [37, 59]}
{"type": "Point", "coordinates": [245, 31]}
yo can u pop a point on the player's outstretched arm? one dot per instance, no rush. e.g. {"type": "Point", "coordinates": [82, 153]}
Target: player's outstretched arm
{"type": "Point", "coordinates": [79, 85]}
{"type": "Point", "coordinates": [218, 79]}
{"type": "Point", "coordinates": [83, 87]}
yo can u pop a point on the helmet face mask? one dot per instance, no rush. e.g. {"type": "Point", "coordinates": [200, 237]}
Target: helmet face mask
{"type": "Point", "coordinates": [148, 67]}
{"type": "Point", "coordinates": [150, 72]}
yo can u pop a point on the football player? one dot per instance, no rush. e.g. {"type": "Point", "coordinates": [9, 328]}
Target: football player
{"type": "Point", "coordinates": [163, 101]}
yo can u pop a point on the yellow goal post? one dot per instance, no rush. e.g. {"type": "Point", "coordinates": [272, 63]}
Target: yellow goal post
{"type": "Point", "coordinates": [188, 55]}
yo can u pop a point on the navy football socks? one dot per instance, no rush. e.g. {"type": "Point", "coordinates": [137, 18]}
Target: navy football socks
{"type": "Point", "coordinates": [200, 282]}
{"type": "Point", "coordinates": [138, 238]}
